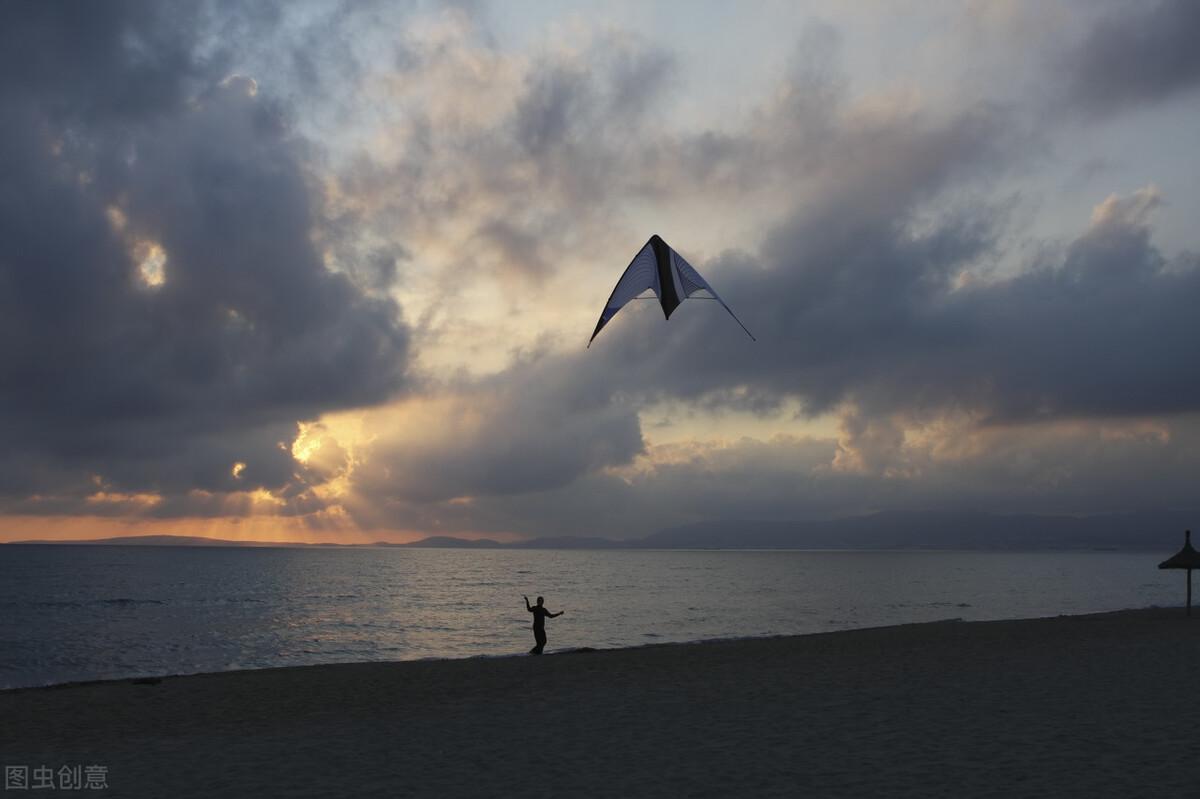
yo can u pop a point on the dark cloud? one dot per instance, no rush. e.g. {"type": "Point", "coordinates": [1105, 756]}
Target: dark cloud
{"type": "Point", "coordinates": [584, 122]}
{"type": "Point", "coordinates": [519, 250]}
{"type": "Point", "coordinates": [873, 315]}
{"type": "Point", "coordinates": [1036, 469]}
{"type": "Point", "coordinates": [591, 100]}
{"type": "Point", "coordinates": [845, 291]}
{"type": "Point", "coordinates": [533, 428]}
{"type": "Point", "coordinates": [165, 313]}
{"type": "Point", "coordinates": [124, 59]}
{"type": "Point", "coordinates": [1139, 54]}
{"type": "Point", "coordinates": [1033, 468]}
{"type": "Point", "coordinates": [637, 80]}
{"type": "Point", "coordinates": [873, 293]}
{"type": "Point", "coordinates": [550, 109]}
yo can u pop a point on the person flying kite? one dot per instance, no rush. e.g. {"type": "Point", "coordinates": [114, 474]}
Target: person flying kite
{"type": "Point", "coordinates": [663, 271]}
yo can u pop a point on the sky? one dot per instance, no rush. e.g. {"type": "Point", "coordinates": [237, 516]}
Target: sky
{"type": "Point", "coordinates": [326, 271]}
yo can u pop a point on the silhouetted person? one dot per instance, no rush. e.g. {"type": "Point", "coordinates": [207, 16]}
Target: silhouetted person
{"type": "Point", "coordinates": [540, 614]}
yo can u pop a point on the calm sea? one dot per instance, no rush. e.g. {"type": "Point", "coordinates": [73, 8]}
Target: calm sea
{"type": "Point", "coordinates": [90, 612]}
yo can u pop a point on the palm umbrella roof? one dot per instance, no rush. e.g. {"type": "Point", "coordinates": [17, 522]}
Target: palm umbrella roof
{"type": "Point", "coordinates": [1186, 558]}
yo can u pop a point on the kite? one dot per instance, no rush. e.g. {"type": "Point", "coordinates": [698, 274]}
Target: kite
{"type": "Point", "coordinates": [660, 269]}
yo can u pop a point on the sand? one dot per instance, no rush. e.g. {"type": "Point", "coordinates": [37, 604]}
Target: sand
{"type": "Point", "coordinates": [1089, 706]}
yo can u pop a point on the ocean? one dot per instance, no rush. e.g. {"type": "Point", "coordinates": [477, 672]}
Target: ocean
{"type": "Point", "coordinates": [72, 613]}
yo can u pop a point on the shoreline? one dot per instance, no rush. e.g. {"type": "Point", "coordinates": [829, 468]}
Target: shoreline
{"type": "Point", "coordinates": [1087, 705]}
{"type": "Point", "coordinates": [159, 677]}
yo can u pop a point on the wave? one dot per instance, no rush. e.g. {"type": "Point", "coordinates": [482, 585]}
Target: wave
{"type": "Point", "coordinates": [114, 602]}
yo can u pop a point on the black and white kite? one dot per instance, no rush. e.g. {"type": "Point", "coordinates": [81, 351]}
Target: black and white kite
{"type": "Point", "coordinates": [659, 269]}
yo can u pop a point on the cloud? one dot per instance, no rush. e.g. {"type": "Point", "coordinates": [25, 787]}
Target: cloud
{"type": "Point", "coordinates": [856, 278]}
{"type": "Point", "coordinates": [850, 303]}
{"type": "Point", "coordinates": [119, 61]}
{"type": "Point", "coordinates": [1139, 54]}
{"type": "Point", "coordinates": [165, 311]}
{"type": "Point", "coordinates": [499, 161]}
{"type": "Point", "coordinates": [1049, 468]}
{"type": "Point", "coordinates": [1055, 468]}
{"type": "Point", "coordinates": [530, 429]}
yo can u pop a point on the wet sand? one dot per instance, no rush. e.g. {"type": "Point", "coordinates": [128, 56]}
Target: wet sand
{"type": "Point", "coordinates": [1089, 706]}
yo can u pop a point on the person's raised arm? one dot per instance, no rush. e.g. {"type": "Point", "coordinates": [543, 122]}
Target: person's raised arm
{"type": "Point", "coordinates": [527, 605]}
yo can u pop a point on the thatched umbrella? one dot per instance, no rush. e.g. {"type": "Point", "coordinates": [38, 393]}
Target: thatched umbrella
{"type": "Point", "coordinates": [1186, 558]}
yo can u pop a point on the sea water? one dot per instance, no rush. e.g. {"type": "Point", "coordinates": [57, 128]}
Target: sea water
{"type": "Point", "coordinates": [93, 612]}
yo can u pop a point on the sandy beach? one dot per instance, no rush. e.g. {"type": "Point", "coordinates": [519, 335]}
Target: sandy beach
{"type": "Point", "coordinates": [1100, 705]}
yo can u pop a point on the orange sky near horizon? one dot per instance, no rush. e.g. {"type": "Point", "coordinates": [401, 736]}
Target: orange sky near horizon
{"type": "Point", "coordinates": [274, 529]}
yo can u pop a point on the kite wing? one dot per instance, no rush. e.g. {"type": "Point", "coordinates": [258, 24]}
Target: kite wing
{"type": "Point", "coordinates": [660, 269]}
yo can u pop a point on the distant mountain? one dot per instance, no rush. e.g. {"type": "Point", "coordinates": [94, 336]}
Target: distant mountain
{"type": "Point", "coordinates": [1141, 530]}
{"type": "Point", "coordinates": [167, 541]}
{"type": "Point", "coordinates": [567, 542]}
{"type": "Point", "coordinates": [448, 542]}
{"type": "Point", "coordinates": [557, 542]}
